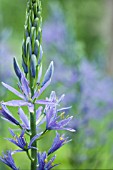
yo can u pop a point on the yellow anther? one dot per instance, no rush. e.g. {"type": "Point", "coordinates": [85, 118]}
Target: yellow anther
{"type": "Point", "coordinates": [45, 161]}
{"type": "Point", "coordinates": [39, 90]}
{"type": "Point", "coordinates": [61, 138]}
{"type": "Point", "coordinates": [62, 115]}
{"type": "Point", "coordinates": [52, 164]}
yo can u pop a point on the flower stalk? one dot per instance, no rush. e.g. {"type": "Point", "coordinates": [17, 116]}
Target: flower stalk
{"type": "Point", "coordinates": [30, 88]}
{"type": "Point", "coordinates": [33, 133]}
{"type": "Point", "coordinates": [30, 58]}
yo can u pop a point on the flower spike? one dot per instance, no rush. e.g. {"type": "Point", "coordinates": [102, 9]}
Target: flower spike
{"type": "Point", "coordinates": [8, 160]}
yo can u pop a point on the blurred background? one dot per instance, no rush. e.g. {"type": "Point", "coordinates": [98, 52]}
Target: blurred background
{"type": "Point", "coordinates": [78, 37]}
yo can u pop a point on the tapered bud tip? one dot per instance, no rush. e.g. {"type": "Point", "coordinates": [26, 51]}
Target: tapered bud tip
{"type": "Point", "coordinates": [33, 65]}
{"type": "Point", "coordinates": [24, 67]}
{"type": "Point", "coordinates": [16, 68]}
{"type": "Point", "coordinates": [48, 74]}
{"type": "Point", "coordinates": [40, 56]}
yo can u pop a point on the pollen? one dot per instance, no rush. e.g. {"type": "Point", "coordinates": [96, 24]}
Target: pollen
{"type": "Point", "coordinates": [61, 138]}
{"type": "Point", "coordinates": [52, 164]}
{"type": "Point", "coordinates": [45, 161]}
{"type": "Point", "coordinates": [62, 115]}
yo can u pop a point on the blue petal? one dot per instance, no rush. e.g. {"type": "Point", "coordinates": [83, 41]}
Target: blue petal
{"type": "Point", "coordinates": [16, 103]}
{"type": "Point", "coordinates": [38, 112]}
{"type": "Point", "coordinates": [25, 86]}
{"type": "Point", "coordinates": [39, 74]}
{"type": "Point", "coordinates": [33, 139]}
{"type": "Point", "coordinates": [45, 102]}
{"type": "Point", "coordinates": [38, 93]}
{"type": "Point", "coordinates": [13, 90]}
{"type": "Point", "coordinates": [24, 118]}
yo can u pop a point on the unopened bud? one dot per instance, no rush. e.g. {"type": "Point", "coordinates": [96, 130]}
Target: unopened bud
{"type": "Point", "coordinates": [48, 74]}
{"type": "Point", "coordinates": [33, 65]}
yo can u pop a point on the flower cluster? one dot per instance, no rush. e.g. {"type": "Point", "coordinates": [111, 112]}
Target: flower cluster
{"type": "Point", "coordinates": [89, 89]}
{"type": "Point", "coordinates": [40, 113]}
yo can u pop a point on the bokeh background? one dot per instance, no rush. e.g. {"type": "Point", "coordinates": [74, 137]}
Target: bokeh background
{"type": "Point", "coordinates": [78, 37]}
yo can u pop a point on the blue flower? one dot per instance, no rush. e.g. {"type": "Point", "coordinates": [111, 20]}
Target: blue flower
{"type": "Point", "coordinates": [55, 121]}
{"type": "Point", "coordinates": [43, 163]}
{"type": "Point", "coordinates": [59, 141]}
{"type": "Point", "coordinates": [25, 95]}
{"type": "Point", "coordinates": [8, 160]}
{"type": "Point", "coordinates": [20, 141]}
{"type": "Point", "coordinates": [8, 116]}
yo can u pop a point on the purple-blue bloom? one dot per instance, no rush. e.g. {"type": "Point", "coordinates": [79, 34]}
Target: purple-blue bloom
{"type": "Point", "coordinates": [25, 95]}
{"type": "Point", "coordinates": [53, 120]}
{"type": "Point", "coordinates": [43, 163]}
{"type": "Point", "coordinates": [58, 142]}
{"type": "Point", "coordinates": [8, 160]}
{"type": "Point", "coordinates": [5, 113]}
{"type": "Point", "coordinates": [31, 85]}
{"type": "Point", "coordinates": [20, 141]}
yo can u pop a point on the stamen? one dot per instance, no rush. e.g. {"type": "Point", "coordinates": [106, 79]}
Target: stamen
{"type": "Point", "coordinates": [45, 160]}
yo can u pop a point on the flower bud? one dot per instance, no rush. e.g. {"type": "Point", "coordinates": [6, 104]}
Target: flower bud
{"type": "Point", "coordinates": [28, 46]}
{"type": "Point", "coordinates": [33, 66]}
{"type": "Point", "coordinates": [39, 74]}
{"type": "Point", "coordinates": [17, 69]}
{"type": "Point", "coordinates": [36, 49]}
{"type": "Point", "coordinates": [41, 54]}
{"type": "Point", "coordinates": [48, 74]}
{"type": "Point", "coordinates": [33, 37]}
{"type": "Point", "coordinates": [36, 22]}
{"type": "Point", "coordinates": [24, 67]}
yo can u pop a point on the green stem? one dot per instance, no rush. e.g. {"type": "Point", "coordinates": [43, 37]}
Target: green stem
{"type": "Point", "coordinates": [33, 133]}
{"type": "Point", "coordinates": [33, 128]}
{"type": "Point", "coordinates": [29, 155]}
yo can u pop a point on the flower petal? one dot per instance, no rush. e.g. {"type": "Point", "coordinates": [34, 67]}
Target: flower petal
{"type": "Point", "coordinates": [13, 90]}
{"type": "Point", "coordinates": [24, 118]}
{"type": "Point", "coordinates": [45, 102]}
{"type": "Point", "coordinates": [38, 112]}
{"type": "Point", "coordinates": [64, 109]}
{"type": "Point", "coordinates": [61, 98]}
{"type": "Point", "coordinates": [38, 93]}
{"type": "Point", "coordinates": [25, 86]}
{"type": "Point", "coordinates": [39, 74]}
{"type": "Point", "coordinates": [33, 139]}
{"type": "Point", "coordinates": [16, 103]}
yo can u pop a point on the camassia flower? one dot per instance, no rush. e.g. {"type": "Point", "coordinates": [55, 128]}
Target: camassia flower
{"type": "Point", "coordinates": [8, 160]}
{"type": "Point", "coordinates": [20, 141]}
{"type": "Point", "coordinates": [43, 162]}
{"type": "Point", "coordinates": [8, 116]}
{"type": "Point", "coordinates": [31, 85]}
{"type": "Point", "coordinates": [25, 95]}
{"type": "Point", "coordinates": [58, 142]}
{"type": "Point", "coordinates": [53, 119]}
